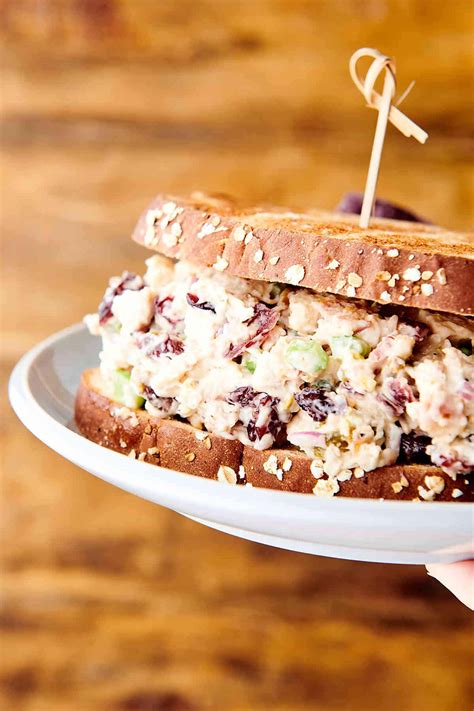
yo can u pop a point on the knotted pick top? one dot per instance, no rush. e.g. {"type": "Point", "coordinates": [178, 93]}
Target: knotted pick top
{"type": "Point", "coordinates": [387, 112]}
{"type": "Point", "coordinates": [382, 63]}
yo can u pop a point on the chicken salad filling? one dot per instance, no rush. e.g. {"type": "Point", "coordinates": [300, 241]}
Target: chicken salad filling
{"type": "Point", "coordinates": [353, 385]}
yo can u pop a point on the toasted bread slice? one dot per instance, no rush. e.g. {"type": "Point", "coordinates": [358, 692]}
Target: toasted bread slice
{"type": "Point", "coordinates": [403, 263]}
{"type": "Point", "coordinates": [177, 445]}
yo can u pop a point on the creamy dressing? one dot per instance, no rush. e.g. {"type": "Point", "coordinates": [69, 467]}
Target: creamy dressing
{"type": "Point", "coordinates": [252, 360]}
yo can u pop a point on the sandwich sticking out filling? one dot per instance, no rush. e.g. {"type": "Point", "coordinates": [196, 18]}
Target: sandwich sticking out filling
{"type": "Point", "coordinates": [353, 385]}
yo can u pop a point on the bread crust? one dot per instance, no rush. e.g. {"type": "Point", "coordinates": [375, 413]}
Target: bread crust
{"type": "Point", "coordinates": [403, 263]}
{"type": "Point", "coordinates": [177, 445]}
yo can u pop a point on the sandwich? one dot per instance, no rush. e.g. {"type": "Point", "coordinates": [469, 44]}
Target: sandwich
{"type": "Point", "coordinates": [290, 350]}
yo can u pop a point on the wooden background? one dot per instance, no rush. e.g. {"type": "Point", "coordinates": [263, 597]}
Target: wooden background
{"type": "Point", "coordinates": [109, 602]}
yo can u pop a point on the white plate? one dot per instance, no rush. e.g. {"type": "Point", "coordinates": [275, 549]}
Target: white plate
{"type": "Point", "coordinates": [42, 388]}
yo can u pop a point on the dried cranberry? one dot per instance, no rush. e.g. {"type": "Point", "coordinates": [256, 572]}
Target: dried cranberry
{"type": "Point", "coordinates": [128, 282]}
{"type": "Point", "coordinates": [396, 395]}
{"type": "Point", "coordinates": [352, 203]}
{"type": "Point", "coordinates": [243, 396]}
{"type": "Point", "coordinates": [105, 310]}
{"type": "Point", "coordinates": [169, 346]}
{"type": "Point", "coordinates": [161, 308]}
{"type": "Point", "coordinates": [272, 425]}
{"type": "Point", "coordinates": [453, 464]}
{"type": "Point", "coordinates": [264, 418]}
{"type": "Point", "coordinates": [264, 318]}
{"type": "Point", "coordinates": [316, 402]}
{"type": "Point", "coordinates": [260, 324]}
{"type": "Point", "coordinates": [467, 391]}
{"type": "Point", "coordinates": [160, 303]}
{"type": "Point", "coordinates": [193, 300]}
{"type": "Point", "coordinates": [161, 403]}
{"type": "Point", "coordinates": [154, 347]}
{"type": "Point", "coordinates": [413, 449]}
{"type": "Point", "coordinates": [417, 330]}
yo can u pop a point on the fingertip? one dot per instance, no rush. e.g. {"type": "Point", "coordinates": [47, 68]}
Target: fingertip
{"type": "Point", "coordinates": [458, 578]}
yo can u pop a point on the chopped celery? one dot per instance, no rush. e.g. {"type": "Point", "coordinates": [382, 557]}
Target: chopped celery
{"type": "Point", "coordinates": [306, 355]}
{"type": "Point", "coordinates": [124, 392]}
{"type": "Point", "coordinates": [250, 365]}
{"type": "Point", "coordinates": [342, 344]}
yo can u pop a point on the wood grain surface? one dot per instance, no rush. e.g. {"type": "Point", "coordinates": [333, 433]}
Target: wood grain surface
{"type": "Point", "coordinates": [112, 603]}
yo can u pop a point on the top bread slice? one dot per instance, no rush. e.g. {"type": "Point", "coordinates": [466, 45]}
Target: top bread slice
{"type": "Point", "coordinates": [392, 261]}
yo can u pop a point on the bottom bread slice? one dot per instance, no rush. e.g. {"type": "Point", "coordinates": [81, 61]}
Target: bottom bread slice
{"type": "Point", "coordinates": [177, 445]}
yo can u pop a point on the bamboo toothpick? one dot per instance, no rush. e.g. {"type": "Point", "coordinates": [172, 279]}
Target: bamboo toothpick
{"type": "Point", "coordinates": [387, 112]}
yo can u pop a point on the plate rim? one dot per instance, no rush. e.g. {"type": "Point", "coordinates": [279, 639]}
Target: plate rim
{"type": "Point", "coordinates": [278, 506]}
